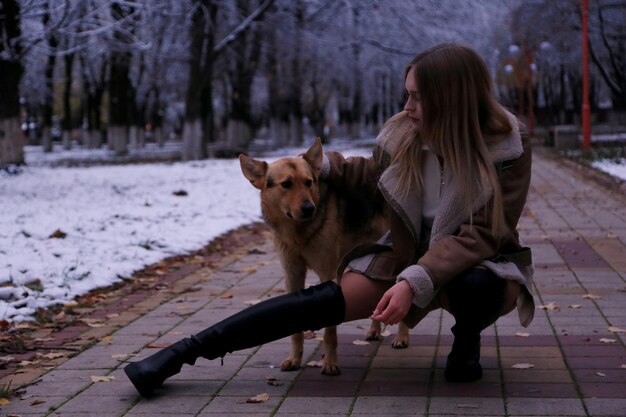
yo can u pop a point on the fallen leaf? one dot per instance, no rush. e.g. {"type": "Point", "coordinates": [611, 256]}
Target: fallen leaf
{"type": "Point", "coordinates": [549, 306]}
{"type": "Point", "coordinates": [37, 402]}
{"type": "Point", "coordinates": [613, 329]}
{"type": "Point", "coordinates": [249, 270]}
{"type": "Point", "coordinates": [6, 359]}
{"type": "Point", "coordinates": [183, 308]}
{"type": "Point", "coordinates": [4, 401]}
{"type": "Point", "coordinates": [606, 340]}
{"type": "Point", "coordinates": [623, 366]}
{"type": "Point", "coordinates": [591, 297]}
{"type": "Point", "coordinates": [112, 315]}
{"type": "Point", "coordinates": [260, 398]}
{"type": "Point", "coordinates": [120, 356]}
{"type": "Point", "coordinates": [522, 334]}
{"type": "Point", "coordinates": [227, 295]}
{"type": "Point", "coordinates": [523, 366]}
{"type": "Point", "coordinates": [386, 333]}
{"type": "Point", "coordinates": [106, 339]}
{"type": "Point", "coordinates": [158, 345]}
{"type": "Point", "coordinates": [467, 406]}
{"type": "Point", "coordinates": [252, 302]}
{"type": "Point", "coordinates": [600, 374]}
{"type": "Point", "coordinates": [52, 355]}
{"type": "Point", "coordinates": [180, 193]}
{"type": "Point", "coordinates": [575, 306]}
{"type": "Point", "coordinates": [319, 338]}
{"type": "Point", "coordinates": [96, 378]}
{"type": "Point", "coordinates": [26, 363]}
{"type": "Point", "coordinates": [274, 383]}
{"type": "Point", "coordinates": [360, 342]}
{"type": "Point", "coordinates": [611, 235]}
{"type": "Point", "coordinates": [58, 234]}
{"type": "Point", "coordinates": [315, 364]}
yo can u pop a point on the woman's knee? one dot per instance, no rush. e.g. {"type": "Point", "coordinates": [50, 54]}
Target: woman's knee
{"type": "Point", "coordinates": [361, 294]}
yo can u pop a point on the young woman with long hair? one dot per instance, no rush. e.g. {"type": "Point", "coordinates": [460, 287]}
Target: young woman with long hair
{"type": "Point", "coordinates": [454, 169]}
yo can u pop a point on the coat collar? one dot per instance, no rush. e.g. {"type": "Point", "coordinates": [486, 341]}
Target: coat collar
{"type": "Point", "coordinates": [452, 211]}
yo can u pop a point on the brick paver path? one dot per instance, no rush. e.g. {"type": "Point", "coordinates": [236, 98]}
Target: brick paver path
{"type": "Point", "coordinates": [572, 357]}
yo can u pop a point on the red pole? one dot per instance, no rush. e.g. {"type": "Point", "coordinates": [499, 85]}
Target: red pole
{"type": "Point", "coordinates": [586, 109]}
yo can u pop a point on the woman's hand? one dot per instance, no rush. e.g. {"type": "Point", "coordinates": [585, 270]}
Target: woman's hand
{"type": "Point", "coordinates": [394, 304]}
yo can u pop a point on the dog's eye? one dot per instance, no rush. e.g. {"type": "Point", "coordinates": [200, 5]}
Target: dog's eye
{"type": "Point", "coordinates": [286, 184]}
{"type": "Point", "coordinates": [308, 183]}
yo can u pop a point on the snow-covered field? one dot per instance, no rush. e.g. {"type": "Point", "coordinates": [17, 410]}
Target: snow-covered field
{"type": "Point", "coordinates": [117, 219]}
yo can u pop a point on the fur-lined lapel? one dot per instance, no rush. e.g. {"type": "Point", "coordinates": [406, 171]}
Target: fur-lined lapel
{"type": "Point", "coordinates": [452, 211]}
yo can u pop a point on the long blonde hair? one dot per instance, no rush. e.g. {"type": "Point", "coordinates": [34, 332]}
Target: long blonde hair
{"type": "Point", "coordinates": [459, 114]}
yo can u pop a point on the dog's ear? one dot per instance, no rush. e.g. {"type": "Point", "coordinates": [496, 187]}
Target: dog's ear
{"type": "Point", "coordinates": [315, 155]}
{"type": "Point", "coordinates": [253, 170]}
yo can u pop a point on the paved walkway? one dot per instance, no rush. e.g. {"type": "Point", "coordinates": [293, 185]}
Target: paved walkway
{"type": "Point", "coordinates": [570, 362]}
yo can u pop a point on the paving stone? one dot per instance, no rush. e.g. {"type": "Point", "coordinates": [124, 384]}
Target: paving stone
{"type": "Point", "coordinates": [385, 406]}
{"type": "Point", "coordinates": [545, 407]}
{"type": "Point", "coordinates": [298, 405]}
{"type": "Point", "coordinates": [470, 405]}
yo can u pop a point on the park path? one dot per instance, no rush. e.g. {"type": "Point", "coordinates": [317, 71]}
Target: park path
{"type": "Point", "coordinates": [571, 361]}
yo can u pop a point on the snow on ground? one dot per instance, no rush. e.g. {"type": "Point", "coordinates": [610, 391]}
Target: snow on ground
{"type": "Point", "coordinates": [117, 219]}
{"type": "Point", "coordinates": [616, 168]}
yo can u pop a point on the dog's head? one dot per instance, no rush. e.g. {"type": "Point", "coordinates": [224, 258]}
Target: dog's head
{"type": "Point", "coordinates": [289, 186]}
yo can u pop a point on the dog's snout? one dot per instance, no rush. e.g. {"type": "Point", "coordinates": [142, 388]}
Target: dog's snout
{"type": "Point", "coordinates": [307, 209]}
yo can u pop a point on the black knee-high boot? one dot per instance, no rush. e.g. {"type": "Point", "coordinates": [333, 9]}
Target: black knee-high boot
{"type": "Point", "coordinates": [310, 309]}
{"type": "Point", "coordinates": [476, 299]}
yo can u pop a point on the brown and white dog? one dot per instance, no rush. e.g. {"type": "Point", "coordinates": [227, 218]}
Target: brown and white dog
{"type": "Point", "coordinates": [313, 227]}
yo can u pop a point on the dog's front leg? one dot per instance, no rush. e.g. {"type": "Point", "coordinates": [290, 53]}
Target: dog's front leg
{"type": "Point", "coordinates": [401, 341]}
{"type": "Point", "coordinates": [293, 362]}
{"type": "Point", "coordinates": [330, 365]}
{"type": "Point", "coordinates": [295, 271]}
{"type": "Point", "coordinates": [374, 332]}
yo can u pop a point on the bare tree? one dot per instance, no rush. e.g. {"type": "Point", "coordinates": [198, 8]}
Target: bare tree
{"type": "Point", "coordinates": [11, 146]}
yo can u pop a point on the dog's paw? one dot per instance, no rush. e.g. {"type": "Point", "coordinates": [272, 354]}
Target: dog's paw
{"type": "Point", "coordinates": [331, 369]}
{"type": "Point", "coordinates": [373, 334]}
{"type": "Point", "coordinates": [290, 364]}
{"type": "Point", "coordinates": [400, 343]}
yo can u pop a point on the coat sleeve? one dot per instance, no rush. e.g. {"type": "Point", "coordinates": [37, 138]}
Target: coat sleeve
{"type": "Point", "coordinates": [474, 242]}
{"type": "Point", "coordinates": [355, 174]}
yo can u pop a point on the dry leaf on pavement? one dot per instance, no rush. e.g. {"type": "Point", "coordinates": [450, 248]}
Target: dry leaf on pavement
{"type": "Point", "coordinates": [591, 297]}
{"type": "Point", "coordinates": [260, 398]}
{"type": "Point", "coordinates": [575, 306]}
{"type": "Point", "coordinates": [522, 334]}
{"type": "Point", "coordinates": [360, 342]}
{"type": "Point", "coordinates": [600, 374]}
{"type": "Point", "coordinates": [614, 329]}
{"type": "Point", "coordinates": [96, 378]}
{"type": "Point", "coordinates": [549, 306]}
{"type": "Point", "coordinates": [315, 364]}
{"type": "Point", "coordinates": [4, 401]}
{"type": "Point", "coordinates": [606, 340]}
{"type": "Point", "coordinates": [252, 302]}
{"type": "Point", "coordinates": [523, 366]}
{"type": "Point", "coordinates": [37, 402]}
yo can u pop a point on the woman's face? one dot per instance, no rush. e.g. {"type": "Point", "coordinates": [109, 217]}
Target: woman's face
{"type": "Point", "coordinates": [413, 104]}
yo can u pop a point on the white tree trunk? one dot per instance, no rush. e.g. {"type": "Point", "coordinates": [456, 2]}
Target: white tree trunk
{"type": "Point", "coordinates": [159, 136]}
{"type": "Point", "coordinates": [279, 133]}
{"type": "Point", "coordinates": [118, 140]}
{"type": "Point", "coordinates": [296, 131]}
{"type": "Point", "coordinates": [192, 141]}
{"type": "Point", "coordinates": [132, 137]}
{"type": "Point", "coordinates": [141, 137]}
{"type": "Point", "coordinates": [67, 140]}
{"type": "Point", "coordinates": [46, 139]}
{"type": "Point", "coordinates": [238, 135]}
{"type": "Point", "coordinates": [11, 142]}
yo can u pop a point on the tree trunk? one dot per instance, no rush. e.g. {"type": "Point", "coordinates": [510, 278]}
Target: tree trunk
{"type": "Point", "coordinates": [198, 126]}
{"type": "Point", "coordinates": [11, 141]}
{"type": "Point", "coordinates": [67, 105]}
{"type": "Point", "coordinates": [46, 138]}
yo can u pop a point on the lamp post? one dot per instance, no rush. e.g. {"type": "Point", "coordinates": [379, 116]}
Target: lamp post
{"type": "Point", "coordinates": [586, 110]}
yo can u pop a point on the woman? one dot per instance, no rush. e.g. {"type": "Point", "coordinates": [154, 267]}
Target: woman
{"type": "Point", "coordinates": [454, 168]}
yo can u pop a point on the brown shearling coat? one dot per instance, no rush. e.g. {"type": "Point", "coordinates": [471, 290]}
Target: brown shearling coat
{"type": "Point", "coordinates": [455, 245]}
